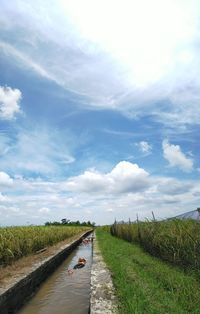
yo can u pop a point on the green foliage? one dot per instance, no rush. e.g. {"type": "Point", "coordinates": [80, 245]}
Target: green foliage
{"type": "Point", "coordinates": [67, 222]}
{"type": "Point", "coordinates": [176, 241]}
{"type": "Point", "coordinates": [146, 284]}
{"type": "Point", "coordinates": [16, 242]}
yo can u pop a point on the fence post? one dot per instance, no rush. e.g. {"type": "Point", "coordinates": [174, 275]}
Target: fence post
{"type": "Point", "coordinates": [154, 219]}
{"type": "Point", "coordinates": [129, 230]}
{"type": "Point", "coordinates": [139, 234]}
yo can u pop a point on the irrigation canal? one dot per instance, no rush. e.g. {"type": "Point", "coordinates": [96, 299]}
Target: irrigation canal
{"type": "Point", "coordinates": [64, 293]}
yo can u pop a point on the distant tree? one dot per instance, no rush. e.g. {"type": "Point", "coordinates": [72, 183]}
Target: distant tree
{"type": "Point", "coordinates": [55, 223]}
{"type": "Point", "coordinates": [65, 221]}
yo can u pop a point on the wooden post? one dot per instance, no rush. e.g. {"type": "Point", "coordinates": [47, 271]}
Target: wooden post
{"type": "Point", "coordinates": [139, 234]}
{"type": "Point", "coordinates": [154, 219]}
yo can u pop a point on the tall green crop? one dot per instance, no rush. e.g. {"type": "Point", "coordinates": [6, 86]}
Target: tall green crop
{"type": "Point", "coordinates": [177, 241]}
{"type": "Point", "coordinates": [16, 242]}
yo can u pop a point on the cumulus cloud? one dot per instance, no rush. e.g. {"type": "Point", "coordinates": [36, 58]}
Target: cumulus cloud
{"type": "Point", "coordinates": [9, 102]}
{"type": "Point", "coordinates": [125, 177]}
{"type": "Point", "coordinates": [176, 158]}
{"type": "Point", "coordinates": [5, 179]}
{"type": "Point", "coordinates": [125, 191]}
{"type": "Point", "coordinates": [144, 147]}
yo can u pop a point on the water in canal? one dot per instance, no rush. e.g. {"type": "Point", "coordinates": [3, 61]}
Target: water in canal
{"type": "Point", "coordinates": [62, 293]}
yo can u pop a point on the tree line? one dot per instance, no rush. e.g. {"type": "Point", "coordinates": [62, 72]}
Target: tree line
{"type": "Point", "coordinates": [68, 222]}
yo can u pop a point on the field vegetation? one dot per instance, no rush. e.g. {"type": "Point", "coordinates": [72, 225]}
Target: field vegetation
{"type": "Point", "coordinates": [144, 283]}
{"type": "Point", "coordinates": [16, 242]}
{"type": "Point", "coordinates": [176, 241]}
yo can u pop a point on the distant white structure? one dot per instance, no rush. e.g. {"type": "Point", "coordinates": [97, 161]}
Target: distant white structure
{"type": "Point", "coordinates": [194, 214]}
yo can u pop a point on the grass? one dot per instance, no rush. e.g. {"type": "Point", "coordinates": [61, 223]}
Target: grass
{"type": "Point", "coordinates": [176, 241]}
{"type": "Point", "coordinates": [145, 284]}
{"type": "Point", "coordinates": [16, 242]}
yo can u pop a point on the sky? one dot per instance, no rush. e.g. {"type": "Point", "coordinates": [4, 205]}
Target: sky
{"type": "Point", "coordinates": [99, 110]}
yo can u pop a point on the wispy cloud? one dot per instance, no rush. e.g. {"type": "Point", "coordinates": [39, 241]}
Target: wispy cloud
{"type": "Point", "coordinates": [68, 159]}
{"type": "Point", "coordinates": [118, 133]}
{"type": "Point", "coordinates": [38, 150]}
{"type": "Point", "coordinates": [144, 147]}
{"type": "Point", "coordinates": [133, 72]}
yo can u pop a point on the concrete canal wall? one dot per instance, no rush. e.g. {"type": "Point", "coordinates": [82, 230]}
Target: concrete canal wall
{"type": "Point", "coordinates": [14, 296]}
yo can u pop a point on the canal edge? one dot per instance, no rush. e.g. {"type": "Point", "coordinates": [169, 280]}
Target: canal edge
{"type": "Point", "coordinates": [21, 290]}
{"type": "Point", "coordinates": [102, 299]}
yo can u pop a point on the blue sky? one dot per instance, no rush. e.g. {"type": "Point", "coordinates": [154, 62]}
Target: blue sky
{"type": "Point", "coordinates": [99, 110]}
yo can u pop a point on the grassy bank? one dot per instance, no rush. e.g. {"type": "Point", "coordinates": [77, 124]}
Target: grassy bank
{"type": "Point", "coordinates": [16, 242]}
{"type": "Point", "coordinates": [144, 284]}
{"type": "Point", "coordinates": [176, 241]}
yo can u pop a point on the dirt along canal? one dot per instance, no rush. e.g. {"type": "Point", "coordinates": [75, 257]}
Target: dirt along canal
{"type": "Point", "coordinates": [64, 292]}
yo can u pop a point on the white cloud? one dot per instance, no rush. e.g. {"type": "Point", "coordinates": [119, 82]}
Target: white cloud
{"type": "Point", "coordinates": [4, 144]}
{"type": "Point", "coordinates": [90, 181]}
{"type": "Point", "coordinates": [38, 150]}
{"type": "Point", "coordinates": [44, 210]}
{"type": "Point", "coordinates": [127, 70]}
{"type": "Point", "coordinates": [5, 179]}
{"type": "Point", "coordinates": [129, 177]}
{"type": "Point", "coordinates": [144, 147]}
{"type": "Point", "coordinates": [109, 210]}
{"type": "Point", "coordinates": [125, 177]}
{"type": "Point", "coordinates": [128, 190]}
{"type": "Point", "coordinates": [9, 102]}
{"type": "Point", "coordinates": [28, 62]}
{"type": "Point", "coordinates": [176, 158]}
{"type": "Point", "coordinates": [169, 186]}
{"type": "Point", "coordinates": [3, 198]}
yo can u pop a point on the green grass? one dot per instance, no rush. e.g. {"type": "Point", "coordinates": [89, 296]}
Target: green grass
{"type": "Point", "coordinates": [16, 242]}
{"type": "Point", "coordinates": [145, 284]}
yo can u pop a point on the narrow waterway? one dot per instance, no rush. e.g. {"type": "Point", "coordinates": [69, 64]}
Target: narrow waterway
{"type": "Point", "coordinates": [64, 293]}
